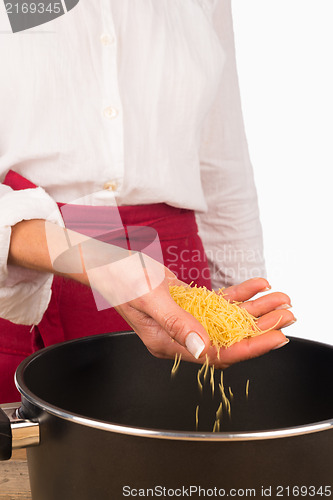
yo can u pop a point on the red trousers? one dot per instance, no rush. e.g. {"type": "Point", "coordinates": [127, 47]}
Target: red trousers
{"type": "Point", "coordinates": [72, 312]}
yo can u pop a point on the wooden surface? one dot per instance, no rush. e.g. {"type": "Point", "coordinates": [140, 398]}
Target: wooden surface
{"type": "Point", "coordinates": [14, 479]}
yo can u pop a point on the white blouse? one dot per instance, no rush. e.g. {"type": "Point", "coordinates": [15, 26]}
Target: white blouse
{"type": "Point", "coordinates": [137, 96]}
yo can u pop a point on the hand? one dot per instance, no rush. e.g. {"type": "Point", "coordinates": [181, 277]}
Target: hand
{"type": "Point", "coordinates": [166, 329]}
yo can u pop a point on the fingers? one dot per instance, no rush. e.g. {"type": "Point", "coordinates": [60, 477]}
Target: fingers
{"type": "Point", "coordinates": [251, 348]}
{"type": "Point", "coordinates": [272, 309]}
{"type": "Point", "coordinates": [276, 319]}
{"type": "Point", "coordinates": [246, 290]}
{"type": "Point", "coordinates": [267, 303]}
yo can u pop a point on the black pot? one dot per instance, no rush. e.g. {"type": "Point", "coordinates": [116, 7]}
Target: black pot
{"type": "Point", "coordinates": [111, 422]}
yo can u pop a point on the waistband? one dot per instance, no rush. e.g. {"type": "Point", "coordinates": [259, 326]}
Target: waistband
{"type": "Point", "coordinates": [170, 222]}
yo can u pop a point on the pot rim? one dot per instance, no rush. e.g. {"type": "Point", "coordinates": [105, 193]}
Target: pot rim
{"type": "Point", "coordinates": [160, 433]}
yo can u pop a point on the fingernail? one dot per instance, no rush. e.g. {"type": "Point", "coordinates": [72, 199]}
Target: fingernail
{"type": "Point", "coordinates": [290, 323]}
{"type": "Point", "coordinates": [284, 306]}
{"type": "Point", "coordinates": [194, 344]}
{"type": "Point", "coordinates": [281, 345]}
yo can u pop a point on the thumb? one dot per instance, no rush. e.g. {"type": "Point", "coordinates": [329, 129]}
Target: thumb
{"type": "Point", "coordinates": [179, 324]}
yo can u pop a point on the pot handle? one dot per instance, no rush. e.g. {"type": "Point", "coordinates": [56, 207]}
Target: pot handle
{"type": "Point", "coordinates": [15, 432]}
{"type": "Point", "coordinates": [5, 437]}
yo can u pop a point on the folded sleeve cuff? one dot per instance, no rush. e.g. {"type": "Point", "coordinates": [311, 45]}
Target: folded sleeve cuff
{"type": "Point", "coordinates": [24, 293]}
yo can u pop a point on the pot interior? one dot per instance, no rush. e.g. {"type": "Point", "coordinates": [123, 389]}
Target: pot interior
{"type": "Point", "coordinates": [114, 378]}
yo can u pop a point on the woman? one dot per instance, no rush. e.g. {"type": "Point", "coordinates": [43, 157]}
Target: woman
{"type": "Point", "coordinates": [119, 115]}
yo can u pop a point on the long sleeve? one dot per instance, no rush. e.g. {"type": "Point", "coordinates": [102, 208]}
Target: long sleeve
{"type": "Point", "coordinates": [24, 294]}
{"type": "Point", "coordinates": [230, 229]}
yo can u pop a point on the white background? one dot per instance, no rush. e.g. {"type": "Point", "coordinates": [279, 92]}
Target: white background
{"type": "Point", "coordinates": [284, 52]}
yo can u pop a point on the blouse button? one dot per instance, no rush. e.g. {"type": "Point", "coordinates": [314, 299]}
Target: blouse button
{"type": "Point", "coordinates": [106, 39]}
{"type": "Point", "coordinates": [110, 112]}
{"type": "Point", "coordinates": [110, 186]}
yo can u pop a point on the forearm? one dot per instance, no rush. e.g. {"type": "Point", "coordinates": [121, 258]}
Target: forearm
{"type": "Point", "coordinates": [43, 246]}
{"type": "Point", "coordinates": [29, 248]}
